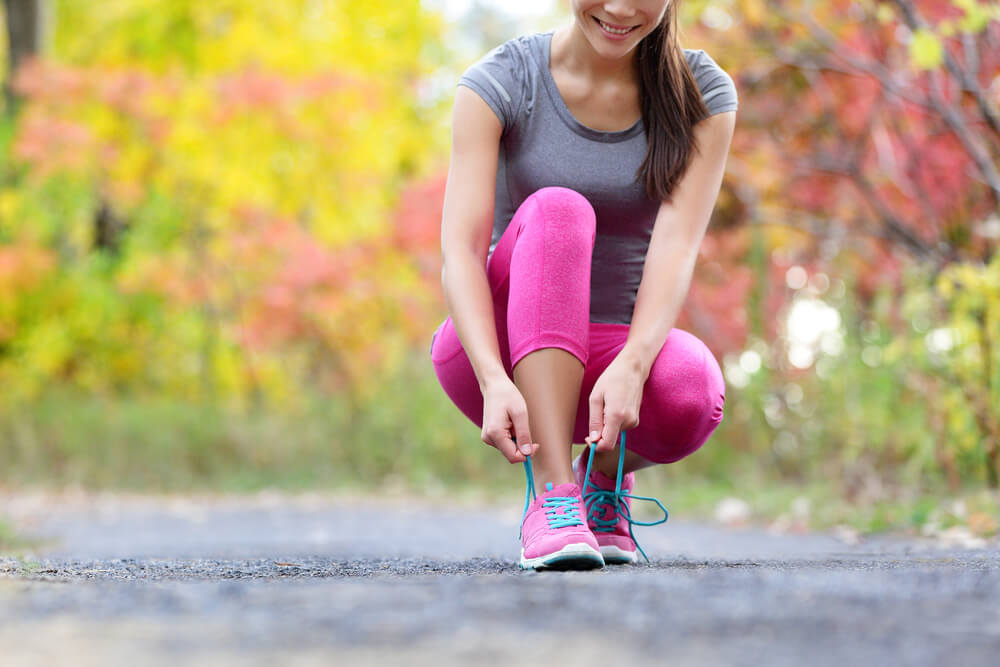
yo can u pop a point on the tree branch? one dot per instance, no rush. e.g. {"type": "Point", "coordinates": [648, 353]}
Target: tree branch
{"type": "Point", "coordinates": [969, 80]}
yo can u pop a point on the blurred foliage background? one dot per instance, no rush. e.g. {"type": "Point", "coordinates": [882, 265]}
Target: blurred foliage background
{"type": "Point", "coordinates": [220, 252]}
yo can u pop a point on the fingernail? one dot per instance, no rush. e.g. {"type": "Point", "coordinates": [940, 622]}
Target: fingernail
{"type": "Point", "coordinates": [525, 449]}
{"type": "Point", "coordinates": [593, 435]}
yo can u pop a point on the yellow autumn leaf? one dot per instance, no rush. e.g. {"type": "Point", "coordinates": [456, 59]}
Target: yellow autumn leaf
{"type": "Point", "coordinates": [926, 51]}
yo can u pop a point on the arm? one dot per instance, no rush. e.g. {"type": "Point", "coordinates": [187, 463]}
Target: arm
{"type": "Point", "coordinates": [466, 229]}
{"type": "Point", "coordinates": [677, 236]}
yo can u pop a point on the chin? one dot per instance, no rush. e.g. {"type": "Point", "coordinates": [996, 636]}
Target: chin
{"type": "Point", "coordinates": [612, 51]}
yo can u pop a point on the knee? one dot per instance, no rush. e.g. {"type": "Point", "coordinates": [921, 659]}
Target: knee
{"type": "Point", "coordinates": [691, 423]}
{"type": "Point", "coordinates": [715, 387]}
{"type": "Point", "coordinates": [703, 401]}
{"type": "Point", "coordinates": [690, 385]}
{"type": "Point", "coordinates": [699, 411]}
{"type": "Point", "coordinates": [705, 412]}
{"type": "Point", "coordinates": [567, 208]}
{"type": "Point", "coordinates": [695, 414]}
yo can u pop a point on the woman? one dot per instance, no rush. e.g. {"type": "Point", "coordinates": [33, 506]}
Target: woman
{"type": "Point", "coordinates": [585, 165]}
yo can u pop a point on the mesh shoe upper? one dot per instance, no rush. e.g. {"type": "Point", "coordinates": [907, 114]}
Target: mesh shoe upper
{"type": "Point", "coordinates": [554, 520]}
{"type": "Point", "coordinates": [608, 524]}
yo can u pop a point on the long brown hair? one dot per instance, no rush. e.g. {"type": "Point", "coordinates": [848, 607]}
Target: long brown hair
{"type": "Point", "coordinates": [671, 106]}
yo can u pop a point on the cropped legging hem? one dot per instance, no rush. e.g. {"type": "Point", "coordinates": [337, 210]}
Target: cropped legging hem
{"type": "Point", "coordinates": [548, 339]}
{"type": "Point", "coordinates": [539, 275]}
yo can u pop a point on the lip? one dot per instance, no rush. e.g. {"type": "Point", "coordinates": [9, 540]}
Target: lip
{"type": "Point", "coordinates": [611, 35]}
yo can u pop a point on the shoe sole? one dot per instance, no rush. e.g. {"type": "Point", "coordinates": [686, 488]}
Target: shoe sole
{"type": "Point", "coordinates": [570, 557]}
{"type": "Point", "coordinates": [616, 556]}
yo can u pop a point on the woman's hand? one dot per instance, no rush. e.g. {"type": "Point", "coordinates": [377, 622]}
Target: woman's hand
{"type": "Point", "coordinates": [614, 403]}
{"type": "Point", "coordinates": [505, 414]}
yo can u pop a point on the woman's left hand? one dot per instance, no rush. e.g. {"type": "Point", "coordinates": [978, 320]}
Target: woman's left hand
{"type": "Point", "coordinates": [614, 403]}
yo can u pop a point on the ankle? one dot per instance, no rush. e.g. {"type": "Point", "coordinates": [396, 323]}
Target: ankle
{"type": "Point", "coordinates": [606, 463]}
{"type": "Point", "coordinates": [554, 477]}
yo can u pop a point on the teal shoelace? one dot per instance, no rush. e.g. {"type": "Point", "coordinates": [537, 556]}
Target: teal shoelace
{"type": "Point", "coordinates": [598, 501]}
{"type": "Point", "coordinates": [560, 511]}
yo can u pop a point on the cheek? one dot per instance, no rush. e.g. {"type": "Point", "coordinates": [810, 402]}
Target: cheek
{"type": "Point", "coordinates": [658, 10]}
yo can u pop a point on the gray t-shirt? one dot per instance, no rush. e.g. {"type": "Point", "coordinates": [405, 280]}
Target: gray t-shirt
{"type": "Point", "coordinates": [544, 145]}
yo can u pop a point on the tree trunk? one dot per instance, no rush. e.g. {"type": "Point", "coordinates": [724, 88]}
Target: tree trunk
{"type": "Point", "coordinates": [24, 36]}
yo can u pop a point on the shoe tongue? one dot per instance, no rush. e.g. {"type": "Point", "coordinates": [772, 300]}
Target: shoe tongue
{"type": "Point", "coordinates": [603, 481]}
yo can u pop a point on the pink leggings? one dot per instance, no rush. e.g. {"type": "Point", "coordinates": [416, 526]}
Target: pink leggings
{"type": "Point", "coordinates": [539, 275]}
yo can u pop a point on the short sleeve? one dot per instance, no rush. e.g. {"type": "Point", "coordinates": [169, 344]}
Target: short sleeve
{"type": "Point", "coordinates": [498, 77]}
{"type": "Point", "coordinates": [718, 89]}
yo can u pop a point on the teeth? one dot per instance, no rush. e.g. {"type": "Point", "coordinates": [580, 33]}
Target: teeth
{"type": "Point", "coordinates": [616, 31]}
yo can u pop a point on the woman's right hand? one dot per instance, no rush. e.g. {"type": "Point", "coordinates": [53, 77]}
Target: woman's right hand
{"type": "Point", "coordinates": [505, 417]}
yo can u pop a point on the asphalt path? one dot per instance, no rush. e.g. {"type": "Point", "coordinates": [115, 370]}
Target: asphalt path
{"type": "Point", "coordinates": [305, 580]}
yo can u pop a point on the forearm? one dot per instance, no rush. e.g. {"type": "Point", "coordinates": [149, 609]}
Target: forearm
{"type": "Point", "coordinates": [658, 302]}
{"type": "Point", "coordinates": [470, 304]}
{"type": "Point", "coordinates": [673, 247]}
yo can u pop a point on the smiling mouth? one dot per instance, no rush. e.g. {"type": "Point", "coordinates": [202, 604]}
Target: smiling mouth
{"type": "Point", "coordinates": [614, 30]}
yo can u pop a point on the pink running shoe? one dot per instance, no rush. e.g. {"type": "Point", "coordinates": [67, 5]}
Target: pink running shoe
{"type": "Point", "coordinates": [554, 533]}
{"type": "Point", "coordinates": [609, 525]}
{"type": "Point", "coordinates": [609, 507]}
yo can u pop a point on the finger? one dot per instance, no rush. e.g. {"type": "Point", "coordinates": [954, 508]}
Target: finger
{"type": "Point", "coordinates": [509, 449]}
{"type": "Point", "coordinates": [522, 431]}
{"type": "Point", "coordinates": [596, 417]}
{"type": "Point", "coordinates": [609, 436]}
{"type": "Point", "coordinates": [500, 439]}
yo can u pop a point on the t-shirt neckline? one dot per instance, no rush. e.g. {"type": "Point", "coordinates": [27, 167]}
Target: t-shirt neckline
{"type": "Point", "coordinates": [563, 110]}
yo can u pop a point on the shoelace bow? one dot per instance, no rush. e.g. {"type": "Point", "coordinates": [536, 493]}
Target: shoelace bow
{"type": "Point", "coordinates": [599, 501]}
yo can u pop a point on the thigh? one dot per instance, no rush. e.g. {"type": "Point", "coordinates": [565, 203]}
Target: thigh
{"type": "Point", "coordinates": [451, 363]}
{"type": "Point", "coordinates": [682, 399]}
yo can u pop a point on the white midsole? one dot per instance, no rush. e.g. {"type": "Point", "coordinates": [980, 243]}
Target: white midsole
{"type": "Point", "coordinates": [578, 549]}
{"type": "Point", "coordinates": [611, 552]}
